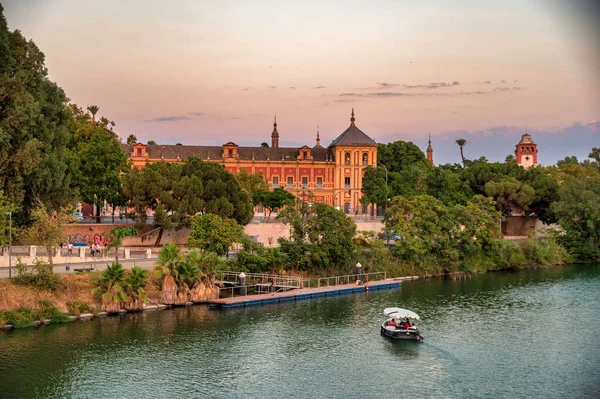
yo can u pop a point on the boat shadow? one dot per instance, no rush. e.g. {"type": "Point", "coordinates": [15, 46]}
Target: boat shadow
{"type": "Point", "coordinates": [402, 349]}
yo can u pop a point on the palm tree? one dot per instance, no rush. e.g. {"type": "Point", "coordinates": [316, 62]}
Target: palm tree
{"type": "Point", "coordinates": [461, 143]}
{"type": "Point", "coordinates": [151, 142]}
{"type": "Point", "coordinates": [110, 285]}
{"type": "Point", "coordinates": [134, 288]}
{"type": "Point", "coordinates": [93, 110]}
{"type": "Point", "coordinates": [117, 234]}
{"type": "Point", "coordinates": [167, 268]}
{"type": "Point", "coordinates": [131, 139]}
{"type": "Point", "coordinates": [203, 287]}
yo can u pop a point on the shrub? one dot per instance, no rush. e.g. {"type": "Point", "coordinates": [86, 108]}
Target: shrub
{"type": "Point", "coordinates": [20, 318]}
{"type": "Point", "coordinates": [50, 312]}
{"type": "Point", "coordinates": [40, 276]}
{"type": "Point", "coordinates": [78, 307]}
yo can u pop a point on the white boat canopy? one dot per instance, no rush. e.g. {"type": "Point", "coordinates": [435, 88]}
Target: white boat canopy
{"type": "Point", "coordinates": [401, 313]}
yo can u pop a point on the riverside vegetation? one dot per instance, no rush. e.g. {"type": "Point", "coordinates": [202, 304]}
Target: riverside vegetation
{"type": "Point", "coordinates": [444, 218]}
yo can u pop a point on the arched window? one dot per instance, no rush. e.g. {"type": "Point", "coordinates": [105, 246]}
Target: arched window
{"type": "Point", "coordinates": [365, 159]}
{"type": "Point", "coordinates": [347, 158]}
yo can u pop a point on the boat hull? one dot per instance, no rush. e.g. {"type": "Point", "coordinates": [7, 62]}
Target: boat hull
{"type": "Point", "coordinates": [401, 334]}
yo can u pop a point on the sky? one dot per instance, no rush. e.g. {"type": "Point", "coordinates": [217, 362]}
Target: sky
{"type": "Point", "coordinates": [209, 72]}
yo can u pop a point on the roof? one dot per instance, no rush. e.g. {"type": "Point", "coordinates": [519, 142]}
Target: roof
{"type": "Point", "coordinates": [158, 151]}
{"type": "Point", "coordinates": [353, 136]}
{"type": "Point", "coordinates": [526, 139]}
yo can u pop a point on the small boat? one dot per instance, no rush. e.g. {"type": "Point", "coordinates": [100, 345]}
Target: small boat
{"type": "Point", "coordinates": [399, 324]}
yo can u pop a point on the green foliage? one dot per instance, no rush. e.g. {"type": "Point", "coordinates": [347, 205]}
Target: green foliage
{"type": "Point", "coordinates": [252, 183]}
{"type": "Point", "coordinates": [578, 212]}
{"type": "Point", "coordinates": [135, 283]}
{"type": "Point", "coordinates": [272, 199]}
{"type": "Point", "coordinates": [35, 160]}
{"type": "Point", "coordinates": [131, 139]}
{"type": "Point", "coordinates": [111, 284]}
{"type": "Point", "coordinates": [510, 194]}
{"type": "Point", "coordinates": [20, 318]}
{"type": "Point", "coordinates": [321, 237]}
{"type": "Point", "coordinates": [432, 234]}
{"type": "Point", "coordinates": [461, 143]}
{"type": "Point", "coordinates": [5, 225]}
{"type": "Point", "coordinates": [374, 186]}
{"type": "Point", "coordinates": [48, 311]}
{"type": "Point", "coordinates": [100, 159]}
{"type": "Point", "coordinates": [116, 238]}
{"type": "Point", "coordinates": [40, 276]}
{"type": "Point", "coordinates": [47, 228]}
{"type": "Point", "coordinates": [211, 233]}
{"type": "Point", "coordinates": [78, 307]}
{"type": "Point", "coordinates": [180, 191]}
{"type": "Point", "coordinates": [254, 258]}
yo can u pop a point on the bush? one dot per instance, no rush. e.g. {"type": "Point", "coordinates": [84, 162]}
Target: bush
{"type": "Point", "coordinates": [50, 312]}
{"type": "Point", "coordinates": [40, 276]}
{"type": "Point", "coordinates": [78, 307]}
{"type": "Point", "coordinates": [20, 318]}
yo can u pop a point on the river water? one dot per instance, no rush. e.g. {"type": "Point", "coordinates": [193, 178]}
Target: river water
{"type": "Point", "coordinates": [530, 334]}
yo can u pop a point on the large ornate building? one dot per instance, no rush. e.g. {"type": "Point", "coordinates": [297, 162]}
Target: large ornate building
{"type": "Point", "coordinates": [331, 175]}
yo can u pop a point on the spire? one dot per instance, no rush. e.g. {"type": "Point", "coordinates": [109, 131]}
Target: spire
{"type": "Point", "coordinates": [318, 138]}
{"type": "Point", "coordinates": [275, 134]}
{"type": "Point", "coordinates": [352, 118]}
{"type": "Point", "coordinates": [430, 151]}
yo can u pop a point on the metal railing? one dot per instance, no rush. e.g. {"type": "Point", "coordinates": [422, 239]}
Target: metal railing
{"type": "Point", "coordinates": [257, 283]}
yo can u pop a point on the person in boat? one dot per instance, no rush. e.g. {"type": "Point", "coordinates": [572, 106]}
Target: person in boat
{"type": "Point", "coordinates": [391, 323]}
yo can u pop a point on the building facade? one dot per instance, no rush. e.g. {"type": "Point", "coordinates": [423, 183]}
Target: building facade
{"type": "Point", "coordinates": [331, 175]}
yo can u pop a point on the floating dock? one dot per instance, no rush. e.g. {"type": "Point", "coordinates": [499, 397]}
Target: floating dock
{"type": "Point", "coordinates": [300, 294]}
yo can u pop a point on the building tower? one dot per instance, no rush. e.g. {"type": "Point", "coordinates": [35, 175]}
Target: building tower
{"type": "Point", "coordinates": [275, 135]}
{"type": "Point", "coordinates": [318, 144]}
{"type": "Point", "coordinates": [430, 151]}
{"type": "Point", "coordinates": [526, 151]}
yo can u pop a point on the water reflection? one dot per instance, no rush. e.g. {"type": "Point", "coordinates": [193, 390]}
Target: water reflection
{"type": "Point", "coordinates": [331, 347]}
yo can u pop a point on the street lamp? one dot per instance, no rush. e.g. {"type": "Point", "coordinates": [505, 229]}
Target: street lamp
{"type": "Point", "coordinates": [386, 173]}
{"type": "Point", "coordinates": [9, 244]}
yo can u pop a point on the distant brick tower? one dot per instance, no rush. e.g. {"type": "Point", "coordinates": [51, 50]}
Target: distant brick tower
{"type": "Point", "coordinates": [526, 151]}
{"type": "Point", "coordinates": [430, 151]}
{"type": "Point", "coordinates": [275, 135]}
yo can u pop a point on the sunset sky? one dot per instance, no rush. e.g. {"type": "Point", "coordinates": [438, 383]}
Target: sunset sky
{"type": "Point", "coordinates": [208, 72]}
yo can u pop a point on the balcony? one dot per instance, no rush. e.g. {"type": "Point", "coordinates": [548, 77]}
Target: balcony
{"type": "Point", "coordinates": [318, 186]}
{"type": "Point", "coordinates": [289, 185]}
{"type": "Point", "coordinates": [304, 186]}
{"type": "Point", "coordinates": [275, 185]}
{"type": "Point", "coordinates": [346, 186]}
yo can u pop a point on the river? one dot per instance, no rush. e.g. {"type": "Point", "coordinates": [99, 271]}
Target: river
{"type": "Point", "coordinates": [529, 334]}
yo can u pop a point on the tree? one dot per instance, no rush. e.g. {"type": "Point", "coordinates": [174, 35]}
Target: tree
{"type": "Point", "coordinates": [399, 155]}
{"type": "Point", "coordinates": [5, 208]}
{"type": "Point", "coordinates": [111, 287]}
{"type": "Point", "coordinates": [272, 199]}
{"type": "Point", "coordinates": [35, 160]}
{"type": "Point", "coordinates": [510, 194]}
{"type": "Point", "coordinates": [264, 144]}
{"type": "Point", "coordinates": [186, 278]}
{"type": "Point", "coordinates": [321, 236]}
{"type": "Point", "coordinates": [252, 183]}
{"type": "Point", "coordinates": [578, 213]}
{"type": "Point", "coordinates": [446, 185]}
{"type": "Point", "coordinates": [93, 110]}
{"type": "Point", "coordinates": [461, 143]}
{"type": "Point", "coordinates": [134, 289]}
{"type": "Point", "coordinates": [151, 142]}
{"type": "Point", "coordinates": [510, 158]}
{"type": "Point", "coordinates": [214, 234]}
{"type": "Point", "coordinates": [116, 238]}
{"type": "Point", "coordinates": [100, 159]}
{"type": "Point", "coordinates": [374, 186]}
{"type": "Point", "coordinates": [131, 139]}
{"type": "Point", "coordinates": [47, 228]}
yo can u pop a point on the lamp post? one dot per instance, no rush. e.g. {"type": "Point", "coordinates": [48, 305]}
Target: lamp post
{"type": "Point", "coordinates": [386, 173]}
{"type": "Point", "coordinates": [9, 244]}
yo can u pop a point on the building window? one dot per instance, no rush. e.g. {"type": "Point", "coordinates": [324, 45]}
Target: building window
{"type": "Point", "coordinates": [139, 152]}
{"type": "Point", "coordinates": [347, 158]}
{"type": "Point", "coordinates": [230, 153]}
{"type": "Point", "coordinates": [304, 182]}
{"type": "Point", "coordinates": [365, 159]}
{"type": "Point", "coordinates": [304, 156]}
{"type": "Point", "coordinates": [275, 181]}
{"type": "Point", "coordinates": [346, 182]}
{"type": "Point", "coordinates": [319, 182]}
{"type": "Point", "coordinates": [290, 182]}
